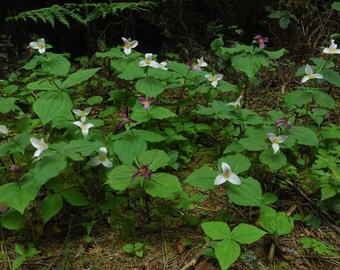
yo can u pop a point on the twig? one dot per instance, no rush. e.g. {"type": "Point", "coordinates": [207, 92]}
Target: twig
{"type": "Point", "coordinates": [5, 249]}
{"type": "Point", "coordinates": [195, 259]}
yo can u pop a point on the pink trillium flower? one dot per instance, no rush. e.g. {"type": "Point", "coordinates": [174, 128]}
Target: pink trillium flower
{"type": "Point", "coordinates": [15, 168]}
{"type": "Point", "coordinates": [261, 40]}
{"type": "Point", "coordinates": [227, 175]}
{"type": "Point", "coordinates": [146, 102]}
{"type": "Point", "coordinates": [125, 120]}
{"type": "Point", "coordinates": [129, 45]}
{"type": "Point", "coordinates": [143, 170]}
{"type": "Point", "coordinates": [283, 121]}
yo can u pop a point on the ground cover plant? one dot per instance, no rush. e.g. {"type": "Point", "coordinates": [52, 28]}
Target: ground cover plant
{"type": "Point", "coordinates": [132, 144]}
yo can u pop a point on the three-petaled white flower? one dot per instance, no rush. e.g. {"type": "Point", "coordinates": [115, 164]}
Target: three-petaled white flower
{"type": "Point", "coordinates": [236, 103]}
{"type": "Point", "coordinates": [213, 79]}
{"type": "Point", "coordinates": [332, 49]}
{"type": "Point", "coordinates": [82, 114]}
{"type": "Point", "coordinates": [310, 74]}
{"type": "Point", "coordinates": [201, 63]}
{"type": "Point", "coordinates": [129, 45]}
{"type": "Point", "coordinates": [162, 65]}
{"type": "Point", "coordinates": [148, 61]}
{"type": "Point", "coordinates": [101, 158]}
{"type": "Point", "coordinates": [40, 145]}
{"type": "Point", "coordinates": [39, 44]}
{"type": "Point", "coordinates": [276, 141]}
{"type": "Point", "coordinates": [3, 129]}
{"type": "Point", "coordinates": [84, 127]}
{"type": "Point", "coordinates": [227, 175]}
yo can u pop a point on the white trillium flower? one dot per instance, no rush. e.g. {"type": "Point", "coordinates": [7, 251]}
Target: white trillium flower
{"type": "Point", "coordinates": [201, 63]}
{"type": "Point", "coordinates": [84, 127]}
{"type": "Point", "coordinates": [39, 44]}
{"type": "Point", "coordinates": [237, 103]}
{"type": "Point", "coordinates": [310, 74]}
{"type": "Point", "coordinates": [101, 158]}
{"type": "Point", "coordinates": [129, 45]}
{"type": "Point", "coordinates": [40, 145]}
{"type": "Point", "coordinates": [82, 114]}
{"type": "Point", "coordinates": [332, 49]}
{"type": "Point", "coordinates": [162, 65]}
{"type": "Point", "coordinates": [148, 61]}
{"type": "Point", "coordinates": [213, 79]}
{"type": "Point", "coordinates": [276, 141]}
{"type": "Point", "coordinates": [227, 175]}
{"type": "Point", "coordinates": [3, 129]}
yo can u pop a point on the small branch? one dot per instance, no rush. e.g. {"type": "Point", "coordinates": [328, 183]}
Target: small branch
{"type": "Point", "coordinates": [195, 259]}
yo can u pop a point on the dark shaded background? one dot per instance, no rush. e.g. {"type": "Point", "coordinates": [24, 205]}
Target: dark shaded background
{"type": "Point", "coordinates": [177, 26]}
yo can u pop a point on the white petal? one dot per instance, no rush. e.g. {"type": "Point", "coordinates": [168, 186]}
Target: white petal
{"type": "Point", "coordinates": [282, 138]}
{"type": "Point", "coordinates": [133, 43]}
{"type": "Point", "coordinates": [271, 136]}
{"type": "Point", "coordinates": [37, 153]}
{"type": "Point", "coordinates": [42, 50]}
{"type": "Point", "coordinates": [3, 129]}
{"type": "Point", "coordinates": [305, 78]}
{"type": "Point", "coordinates": [95, 161]}
{"type": "Point", "coordinates": [234, 179]}
{"type": "Point", "coordinates": [238, 101]}
{"type": "Point", "coordinates": [308, 69]}
{"type": "Point", "coordinates": [76, 112]}
{"type": "Point", "coordinates": [214, 83]}
{"type": "Point", "coordinates": [208, 76]}
{"type": "Point", "coordinates": [87, 110]}
{"type": "Point", "coordinates": [83, 119]}
{"type": "Point", "coordinates": [36, 143]}
{"type": "Point", "coordinates": [107, 163]}
{"type": "Point", "coordinates": [148, 56]}
{"type": "Point", "coordinates": [318, 76]}
{"type": "Point", "coordinates": [220, 179]}
{"type": "Point", "coordinates": [89, 125]}
{"type": "Point", "coordinates": [103, 151]}
{"type": "Point", "coordinates": [154, 64]}
{"type": "Point", "coordinates": [326, 50]}
{"type": "Point", "coordinates": [85, 132]}
{"type": "Point", "coordinates": [276, 147]}
{"type": "Point", "coordinates": [142, 63]}
{"type": "Point", "coordinates": [34, 45]}
{"type": "Point", "coordinates": [225, 167]}
{"type": "Point", "coordinates": [127, 51]}
{"type": "Point", "coordinates": [78, 123]}
{"type": "Point", "coordinates": [219, 76]}
{"type": "Point", "coordinates": [125, 40]}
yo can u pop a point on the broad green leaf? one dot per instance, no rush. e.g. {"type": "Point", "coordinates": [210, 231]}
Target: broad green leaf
{"type": "Point", "coordinates": [129, 147]}
{"type": "Point", "coordinates": [132, 73]}
{"type": "Point", "coordinates": [227, 251]}
{"type": "Point", "coordinates": [163, 185]}
{"type": "Point", "coordinates": [155, 159]}
{"type": "Point", "coordinates": [161, 113]}
{"type": "Point", "coordinates": [249, 193]}
{"type": "Point", "coordinates": [43, 85]}
{"type": "Point", "coordinates": [18, 197]}
{"type": "Point", "coordinates": [275, 222]}
{"type": "Point", "coordinates": [120, 177]}
{"type": "Point", "coordinates": [238, 163]}
{"type": "Point", "coordinates": [56, 64]}
{"type": "Point", "coordinates": [52, 105]}
{"type": "Point", "coordinates": [254, 143]}
{"type": "Point", "coordinates": [284, 22]}
{"type": "Point", "coordinates": [273, 161]}
{"type": "Point", "coordinates": [226, 87]}
{"type": "Point", "coordinates": [336, 6]}
{"type": "Point", "coordinates": [216, 44]}
{"type": "Point", "coordinates": [304, 135]}
{"type": "Point", "coordinates": [246, 234]}
{"type": "Point", "coordinates": [112, 53]}
{"type": "Point", "coordinates": [13, 220]}
{"type": "Point", "coordinates": [17, 145]}
{"type": "Point", "coordinates": [47, 168]}
{"type": "Point", "coordinates": [216, 230]}
{"type": "Point", "coordinates": [78, 77]}
{"type": "Point", "coordinates": [34, 61]}
{"type": "Point", "coordinates": [250, 64]}
{"type": "Point", "coordinates": [150, 87]}
{"type": "Point", "coordinates": [8, 104]}
{"type": "Point", "coordinates": [94, 100]}
{"type": "Point", "coordinates": [73, 148]}
{"type": "Point", "coordinates": [180, 68]}
{"type": "Point", "coordinates": [323, 99]}
{"type": "Point", "coordinates": [298, 97]}
{"type": "Point", "coordinates": [50, 206]}
{"type": "Point", "coordinates": [276, 54]}
{"type": "Point", "coordinates": [327, 192]}
{"type": "Point", "coordinates": [148, 136]}
{"type": "Point", "coordinates": [75, 198]}
{"type": "Point", "coordinates": [202, 178]}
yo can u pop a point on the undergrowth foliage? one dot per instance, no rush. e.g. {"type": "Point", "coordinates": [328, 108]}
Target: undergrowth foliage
{"type": "Point", "coordinates": [63, 145]}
